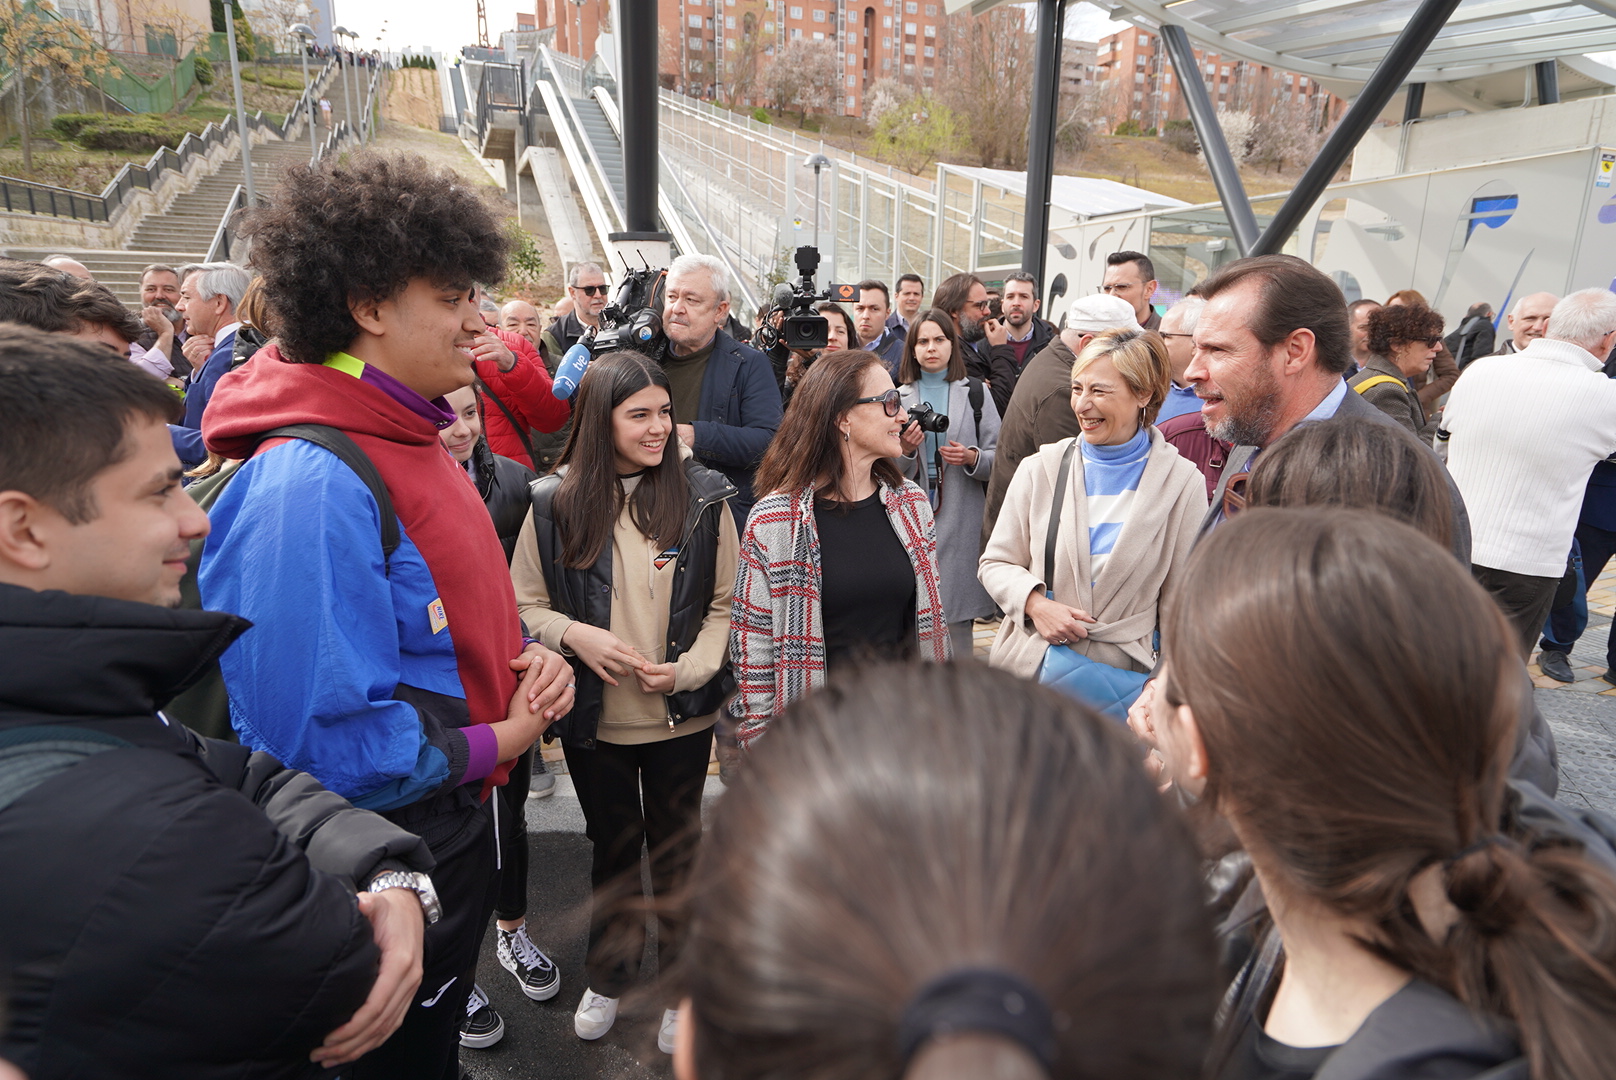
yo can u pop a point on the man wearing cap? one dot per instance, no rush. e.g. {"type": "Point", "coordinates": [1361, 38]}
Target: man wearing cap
{"type": "Point", "coordinates": [1040, 409]}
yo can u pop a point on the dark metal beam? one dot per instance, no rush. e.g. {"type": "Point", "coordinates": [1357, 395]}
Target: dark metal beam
{"type": "Point", "coordinates": [1548, 82]}
{"type": "Point", "coordinates": [638, 85]}
{"type": "Point", "coordinates": [1426, 22]}
{"type": "Point", "coordinates": [1414, 102]}
{"type": "Point", "coordinates": [1041, 136]}
{"type": "Point", "coordinates": [1225, 173]}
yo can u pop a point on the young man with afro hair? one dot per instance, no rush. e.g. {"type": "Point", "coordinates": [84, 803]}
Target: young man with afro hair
{"type": "Point", "coordinates": [403, 683]}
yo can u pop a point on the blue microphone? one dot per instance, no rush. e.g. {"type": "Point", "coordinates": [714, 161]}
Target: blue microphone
{"type": "Point", "coordinates": [570, 371]}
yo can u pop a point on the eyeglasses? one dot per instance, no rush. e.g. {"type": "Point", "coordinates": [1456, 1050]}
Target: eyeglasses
{"type": "Point", "coordinates": [1433, 342]}
{"type": "Point", "coordinates": [891, 401]}
{"type": "Point", "coordinates": [591, 290]}
{"type": "Point", "coordinates": [1160, 334]}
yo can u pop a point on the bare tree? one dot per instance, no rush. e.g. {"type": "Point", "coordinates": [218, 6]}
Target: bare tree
{"type": "Point", "coordinates": [988, 60]}
{"type": "Point", "coordinates": [806, 76]}
{"type": "Point", "coordinates": [1286, 134]}
{"type": "Point", "coordinates": [38, 46]}
{"type": "Point", "coordinates": [741, 63]}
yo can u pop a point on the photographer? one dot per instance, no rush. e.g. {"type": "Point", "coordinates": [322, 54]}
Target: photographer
{"type": "Point", "coordinates": [728, 387]}
{"type": "Point", "coordinates": [948, 449]}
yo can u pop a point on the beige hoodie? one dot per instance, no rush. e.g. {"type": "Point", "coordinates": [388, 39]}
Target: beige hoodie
{"type": "Point", "coordinates": [642, 588]}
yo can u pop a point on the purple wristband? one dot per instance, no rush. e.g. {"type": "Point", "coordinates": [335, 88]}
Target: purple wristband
{"type": "Point", "coordinates": [482, 751]}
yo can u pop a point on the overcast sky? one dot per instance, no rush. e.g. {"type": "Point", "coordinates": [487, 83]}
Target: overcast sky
{"type": "Point", "coordinates": [450, 24]}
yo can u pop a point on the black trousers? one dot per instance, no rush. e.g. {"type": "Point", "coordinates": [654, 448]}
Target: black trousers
{"type": "Point", "coordinates": [647, 794]}
{"type": "Point", "coordinates": [512, 902]}
{"type": "Point", "coordinates": [1525, 599]}
{"type": "Point", "coordinates": [427, 1045]}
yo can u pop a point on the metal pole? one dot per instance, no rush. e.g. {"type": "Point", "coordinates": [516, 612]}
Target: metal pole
{"type": "Point", "coordinates": [308, 97]}
{"type": "Point", "coordinates": [1548, 82]}
{"type": "Point", "coordinates": [346, 61]}
{"type": "Point", "coordinates": [638, 88]}
{"type": "Point", "coordinates": [1405, 52]}
{"type": "Point", "coordinates": [1040, 137]}
{"type": "Point", "coordinates": [816, 206]}
{"type": "Point", "coordinates": [1413, 102]}
{"type": "Point", "coordinates": [1225, 173]}
{"type": "Point", "coordinates": [241, 110]}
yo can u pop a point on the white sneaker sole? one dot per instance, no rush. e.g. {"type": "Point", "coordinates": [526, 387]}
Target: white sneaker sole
{"type": "Point", "coordinates": [483, 1042]}
{"type": "Point", "coordinates": [590, 1035]}
{"type": "Point", "coordinates": [663, 1045]}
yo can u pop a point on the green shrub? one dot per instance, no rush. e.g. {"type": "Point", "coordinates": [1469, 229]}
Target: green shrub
{"type": "Point", "coordinates": [204, 71]}
{"type": "Point", "coordinates": [145, 131]}
{"type": "Point", "coordinates": [761, 115]}
{"type": "Point", "coordinates": [68, 125]}
{"type": "Point", "coordinates": [1127, 127]}
{"type": "Point", "coordinates": [526, 264]}
{"type": "Point", "coordinates": [1150, 132]}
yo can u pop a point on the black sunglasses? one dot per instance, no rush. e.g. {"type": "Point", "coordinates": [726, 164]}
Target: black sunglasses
{"type": "Point", "coordinates": [591, 290]}
{"type": "Point", "coordinates": [891, 401]}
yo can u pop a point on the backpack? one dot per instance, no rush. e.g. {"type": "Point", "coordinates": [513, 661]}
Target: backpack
{"type": "Point", "coordinates": [205, 706]}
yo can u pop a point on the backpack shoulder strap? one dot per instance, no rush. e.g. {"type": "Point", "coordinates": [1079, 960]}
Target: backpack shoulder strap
{"type": "Point", "coordinates": [1377, 380]}
{"type": "Point", "coordinates": [975, 391]}
{"type": "Point", "coordinates": [356, 459]}
{"type": "Point", "coordinates": [1055, 504]}
{"type": "Point", "coordinates": [516, 425]}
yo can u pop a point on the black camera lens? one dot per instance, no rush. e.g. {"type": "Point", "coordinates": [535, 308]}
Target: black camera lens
{"type": "Point", "coordinates": [926, 418]}
{"type": "Point", "coordinates": [805, 331]}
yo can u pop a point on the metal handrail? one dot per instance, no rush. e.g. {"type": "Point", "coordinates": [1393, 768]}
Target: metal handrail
{"type": "Point", "coordinates": [219, 250]}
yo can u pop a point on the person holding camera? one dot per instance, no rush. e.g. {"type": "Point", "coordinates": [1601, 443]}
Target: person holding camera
{"type": "Point", "coordinates": [838, 560]}
{"type": "Point", "coordinates": [626, 563]}
{"type": "Point", "coordinates": [1126, 521]}
{"type": "Point", "coordinates": [948, 449]}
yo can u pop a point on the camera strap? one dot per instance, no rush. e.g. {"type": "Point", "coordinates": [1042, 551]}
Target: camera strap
{"type": "Point", "coordinates": [516, 425]}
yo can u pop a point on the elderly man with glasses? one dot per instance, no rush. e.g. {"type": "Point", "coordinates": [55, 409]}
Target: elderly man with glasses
{"type": "Point", "coordinates": [587, 288]}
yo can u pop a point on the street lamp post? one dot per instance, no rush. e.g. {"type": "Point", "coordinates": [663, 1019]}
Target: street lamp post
{"type": "Point", "coordinates": [305, 34]}
{"type": "Point", "coordinates": [347, 63]}
{"type": "Point", "coordinates": [579, 5]}
{"type": "Point", "coordinates": [241, 110]}
{"type": "Point", "coordinates": [816, 162]}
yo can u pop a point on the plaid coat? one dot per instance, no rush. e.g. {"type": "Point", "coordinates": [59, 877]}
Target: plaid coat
{"type": "Point", "coordinates": [777, 633]}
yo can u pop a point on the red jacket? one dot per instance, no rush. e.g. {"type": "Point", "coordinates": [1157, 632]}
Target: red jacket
{"type": "Point", "coordinates": [525, 391]}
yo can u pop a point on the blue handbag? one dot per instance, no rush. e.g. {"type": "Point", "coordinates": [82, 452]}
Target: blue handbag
{"type": "Point", "coordinates": [1109, 690]}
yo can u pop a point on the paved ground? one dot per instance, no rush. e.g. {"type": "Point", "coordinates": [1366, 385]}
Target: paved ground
{"type": "Point", "coordinates": [539, 1041]}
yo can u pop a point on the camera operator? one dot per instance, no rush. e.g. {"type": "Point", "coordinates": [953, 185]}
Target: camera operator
{"type": "Point", "coordinates": [728, 388]}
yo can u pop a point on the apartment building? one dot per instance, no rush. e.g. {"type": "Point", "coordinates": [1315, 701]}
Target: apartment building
{"type": "Point", "coordinates": [1137, 82]}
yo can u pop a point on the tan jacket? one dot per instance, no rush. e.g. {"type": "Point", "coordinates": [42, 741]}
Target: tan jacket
{"type": "Point", "coordinates": [1152, 548]}
{"type": "Point", "coordinates": [641, 591]}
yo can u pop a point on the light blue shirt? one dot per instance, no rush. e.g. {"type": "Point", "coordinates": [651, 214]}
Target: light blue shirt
{"type": "Point", "coordinates": [1180, 400]}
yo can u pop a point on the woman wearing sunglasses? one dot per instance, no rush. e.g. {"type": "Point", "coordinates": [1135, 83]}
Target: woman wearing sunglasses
{"type": "Point", "coordinates": [838, 561]}
{"type": "Point", "coordinates": [1404, 340]}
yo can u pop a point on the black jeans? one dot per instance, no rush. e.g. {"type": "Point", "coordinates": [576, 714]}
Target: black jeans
{"type": "Point", "coordinates": [1525, 599]}
{"type": "Point", "coordinates": [609, 780]}
{"type": "Point", "coordinates": [427, 1045]}
{"type": "Point", "coordinates": [512, 903]}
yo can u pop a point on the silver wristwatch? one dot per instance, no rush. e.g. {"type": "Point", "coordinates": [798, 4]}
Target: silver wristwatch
{"type": "Point", "coordinates": [419, 884]}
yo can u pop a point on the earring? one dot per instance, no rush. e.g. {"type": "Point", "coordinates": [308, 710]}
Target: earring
{"type": "Point", "coordinates": [844, 435]}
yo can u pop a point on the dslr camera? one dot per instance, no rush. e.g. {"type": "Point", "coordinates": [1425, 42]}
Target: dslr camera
{"type": "Point", "coordinates": [927, 418]}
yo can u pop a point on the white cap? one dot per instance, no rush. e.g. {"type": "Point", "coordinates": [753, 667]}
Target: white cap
{"type": "Point", "coordinates": [1092, 314]}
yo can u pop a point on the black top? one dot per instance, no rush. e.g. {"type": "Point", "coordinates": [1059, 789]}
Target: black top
{"type": "Point", "coordinates": [868, 596]}
{"type": "Point", "coordinates": [1259, 1056]}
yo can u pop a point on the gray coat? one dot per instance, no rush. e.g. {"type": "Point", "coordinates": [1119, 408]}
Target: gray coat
{"type": "Point", "coordinates": [964, 497]}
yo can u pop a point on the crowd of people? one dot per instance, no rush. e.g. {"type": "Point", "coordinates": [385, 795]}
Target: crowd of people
{"type": "Point", "coordinates": [1250, 786]}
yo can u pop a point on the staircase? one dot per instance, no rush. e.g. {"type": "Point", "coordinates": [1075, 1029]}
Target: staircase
{"type": "Point", "coordinates": [608, 147]}
{"type": "Point", "coordinates": [183, 233]}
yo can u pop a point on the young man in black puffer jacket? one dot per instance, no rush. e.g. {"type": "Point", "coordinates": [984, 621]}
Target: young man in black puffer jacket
{"type": "Point", "coordinates": [174, 906]}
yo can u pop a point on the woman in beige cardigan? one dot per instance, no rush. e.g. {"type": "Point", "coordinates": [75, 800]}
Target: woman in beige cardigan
{"type": "Point", "coordinates": [1127, 521]}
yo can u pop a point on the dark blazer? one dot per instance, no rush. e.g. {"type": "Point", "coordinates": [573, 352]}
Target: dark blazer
{"type": "Point", "coordinates": [1354, 406]}
{"type": "Point", "coordinates": [738, 415]}
{"type": "Point", "coordinates": [1003, 369]}
{"type": "Point", "coordinates": [1040, 412]}
{"type": "Point", "coordinates": [187, 434]}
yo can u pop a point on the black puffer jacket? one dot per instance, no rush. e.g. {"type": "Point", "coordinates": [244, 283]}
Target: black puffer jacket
{"type": "Point", "coordinates": [173, 906]}
{"type": "Point", "coordinates": [503, 485]}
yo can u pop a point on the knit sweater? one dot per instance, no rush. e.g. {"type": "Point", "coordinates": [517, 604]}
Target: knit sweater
{"type": "Point", "coordinates": [1525, 431]}
{"type": "Point", "coordinates": [1111, 476]}
{"type": "Point", "coordinates": [642, 586]}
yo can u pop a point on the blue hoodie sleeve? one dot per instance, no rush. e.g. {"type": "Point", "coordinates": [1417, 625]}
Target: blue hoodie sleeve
{"type": "Point", "coordinates": [336, 677]}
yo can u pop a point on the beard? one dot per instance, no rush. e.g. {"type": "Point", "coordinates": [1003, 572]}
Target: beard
{"type": "Point", "coordinates": [1249, 419]}
{"type": "Point", "coordinates": [971, 330]}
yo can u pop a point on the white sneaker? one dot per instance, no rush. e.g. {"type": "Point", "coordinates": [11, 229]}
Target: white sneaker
{"type": "Point", "coordinates": [669, 1030]}
{"type": "Point", "coordinates": [595, 1016]}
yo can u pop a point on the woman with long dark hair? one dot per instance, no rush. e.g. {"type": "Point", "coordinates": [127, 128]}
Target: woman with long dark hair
{"type": "Point", "coordinates": [952, 465]}
{"type": "Point", "coordinates": [839, 559]}
{"type": "Point", "coordinates": [626, 564]}
{"type": "Point", "coordinates": [1425, 915]}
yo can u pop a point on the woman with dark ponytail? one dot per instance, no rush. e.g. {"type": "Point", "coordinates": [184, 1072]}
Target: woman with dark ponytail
{"type": "Point", "coordinates": [1426, 917]}
{"type": "Point", "coordinates": [627, 565]}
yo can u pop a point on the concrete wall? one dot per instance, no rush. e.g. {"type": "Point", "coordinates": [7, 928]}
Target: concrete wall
{"type": "Point", "coordinates": [1490, 136]}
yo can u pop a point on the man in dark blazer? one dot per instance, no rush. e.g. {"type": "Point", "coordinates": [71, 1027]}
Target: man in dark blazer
{"type": "Point", "coordinates": [1270, 350]}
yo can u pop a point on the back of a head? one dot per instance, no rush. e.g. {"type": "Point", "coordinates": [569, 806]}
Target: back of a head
{"type": "Point", "coordinates": [1355, 464]}
{"type": "Point", "coordinates": [47, 299]}
{"type": "Point", "coordinates": [1358, 696]}
{"type": "Point", "coordinates": [982, 824]}
{"type": "Point", "coordinates": [1293, 295]}
{"type": "Point", "coordinates": [1583, 319]}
